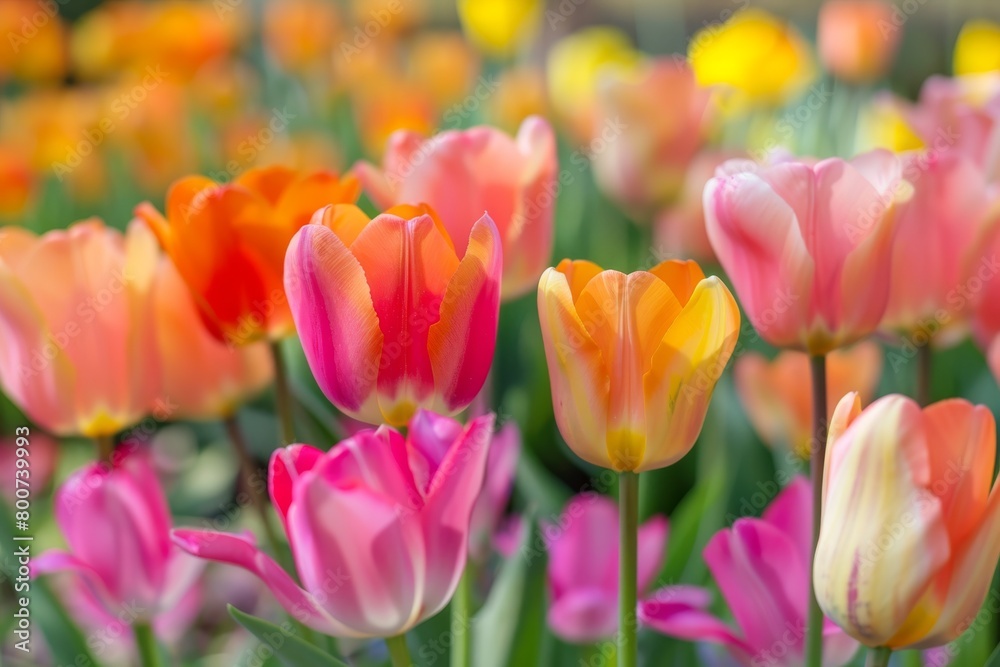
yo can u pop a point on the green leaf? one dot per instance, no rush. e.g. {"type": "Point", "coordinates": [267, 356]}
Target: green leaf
{"type": "Point", "coordinates": [291, 650]}
{"type": "Point", "coordinates": [994, 660]}
{"type": "Point", "coordinates": [509, 629]}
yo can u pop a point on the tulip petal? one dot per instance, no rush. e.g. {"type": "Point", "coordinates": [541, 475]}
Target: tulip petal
{"type": "Point", "coordinates": [345, 220]}
{"type": "Point", "coordinates": [461, 342]}
{"type": "Point", "coordinates": [578, 273]}
{"type": "Point", "coordinates": [584, 615]}
{"type": "Point", "coordinates": [652, 545]}
{"type": "Point", "coordinates": [682, 617]}
{"type": "Point", "coordinates": [334, 315]}
{"type": "Point", "coordinates": [287, 465]}
{"type": "Point", "coordinates": [577, 371]}
{"type": "Point", "coordinates": [682, 277]}
{"type": "Point", "coordinates": [242, 552]}
{"type": "Point", "coordinates": [791, 513]}
{"type": "Point", "coordinates": [430, 437]}
{"type": "Point", "coordinates": [377, 460]}
{"type": "Point", "coordinates": [687, 363]}
{"type": "Point", "coordinates": [55, 561]}
{"type": "Point", "coordinates": [584, 527]}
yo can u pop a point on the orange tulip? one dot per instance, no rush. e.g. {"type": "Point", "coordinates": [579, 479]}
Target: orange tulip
{"type": "Point", "coordinates": [79, 350]}
{"type": "Point", "coordinates": [633, 359]}
{"type": "Point", "coordinates": [853, 42]}
{"type": "Point", "coordinates": [35, 43]}
{"type": "Point", "coordinates": [301, 34]}
{"type": "Point", "coordinates": [17, 181]}
{"type": "Point", "coordinates": [777, 396]}
{"type": "Point", "coordinates": [228, 242]}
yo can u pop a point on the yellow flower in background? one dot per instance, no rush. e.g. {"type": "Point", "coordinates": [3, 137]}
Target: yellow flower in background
{"type": "Point", "coordinates": [575, 66]}
{"type": "Point", "coordinates": [520, 92]}
{"type": "Point", "coordinates": [882, 124]}
{"type": "Point", "coordinates": [633, 359]}
{"type": "Point", "coordinates": [764, 59]}
{"type": "Point", "coordinates": [977, 50]}
{"type": "Point", "coordinates": [499, 27]}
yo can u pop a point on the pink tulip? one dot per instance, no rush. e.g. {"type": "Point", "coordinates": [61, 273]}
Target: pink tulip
{"type": "Point", "coordinates": [488, 511]}
{"type": "Point", "coordinates": [645, 145]}
{"type": "Point", "coordinates": [762, 569]}
{"type": "Point", "coordinates": [42, 455]}
{"type": "Point", "coordinates": [583, 567]}
{"type": "Point", "coordinates": [463, 173]}
{"type": "Point", "coordinates": [939, 243]}
{"type": "Point", "coordinates": [115, 520]}
{"type": "Point", "coordinates": [391, 317]}
{"type": "Point", "coordinates": [379, 526]}
{"type": "Point", "coordinates": [78, 353]}
{"type": "Point", "coordinates": [808, 246]}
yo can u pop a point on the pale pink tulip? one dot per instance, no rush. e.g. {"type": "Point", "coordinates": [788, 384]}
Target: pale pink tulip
{"type": "Point", "coordinates": [762, 569]}
{"type": "Point", "coordinates": [583, 567]}
{"type": "Point", "coordinates": [808, 246]}
{"type": "Point", "coordinates": [463, 174]}
{"type": "Point", "coordinates": [379, 526]}
{"type": "Point", "coordinates": [79, 352]}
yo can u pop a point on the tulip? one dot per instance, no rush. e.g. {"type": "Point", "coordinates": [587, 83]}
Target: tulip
{"type": "Point", "coordinates": [379, 526]}
{"type": "Point", "coordinates": [762, 569]}
{"type": "Point", "coordinates": [883, 124]}
{"type": "Point", "coordinates": [633, 359]}
{"type": "Point", "coordinates": [79, 345]}
{"type": "Point", "coordinates": [299, 34]}
{"type": "Point", "coordinates": [228, 242]}
{"type": "Point", "coordinates": [499, 27]}
{"type": "Point", "coordinates": [583, 567]}
{"type": "Point", "coordinates": [116, 523]}
{"type": "Point", "coordinates": [939, 242]}
{"type": "Point", "coordinates": [390, 317]}
{"type": "Point", "coordinates": [910, 535]}
{"type": "Point", "coordinates": [977, 49]}
{"type": "Point", "coordinates": [576, 64]}
{"type": "Point", "coordinates": [487, 514]}
{"type": "Point", "coordinates": [808, 246]}
{"type": "Point", "coordinates": [777, 396]}
{"type": "Point", "coordinates": [761, 58]}
{"type": "Point", "coordinates": [36, 49]}
{"type": "Point", "coordinates": [42, 456]}
{"type": "Point", "coordinates": [17, 182]}
{"type": "Point", "coordinates": [644, 167]}
{"type": "Point", "coordinates": [520, 94]}
{"type": "Point", "coordinates": [463, 173]}
{"type": "Point", "coordinates": [680, 229]}
{"type": "Point", "coordinates": [446, 66]}
{"type": "Point", "coordinates": [202, 378]}
{"type": "Point", "coordinates": [853, 43]}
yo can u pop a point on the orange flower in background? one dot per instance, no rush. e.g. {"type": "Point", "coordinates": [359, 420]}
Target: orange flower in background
{"type": "Point", "coordinates": [17, 181]}
{"type": "Point", "coordinates": [777, 397]}
{"type": "Point", "coordinates": [446, 66]}
{"type": "Point", "coordinates": [520, 92]}
{"type": "Point", "coordinates": [35, 41]}
{"type": "Point", "coordinates": [853, 42]}
{"type": "Point", "coordinates": [107, 39]}
{"type": "Point", "coordinates": [181, 36]}
{"type": "Point", "coordinates": [79, 347]}
{"type": "Point", "coordinates": [201, 377]}
{"type": "Point", "coordinates": [388, 105]}
{"type": "Point", "coordinates": [228, 242]}
{"type": "Point", "coordinates": [301, 34]}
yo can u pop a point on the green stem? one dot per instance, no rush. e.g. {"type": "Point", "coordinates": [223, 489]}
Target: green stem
{"type": "Point", "coordinates": [145, 641]}
{"type": "Point", "coordinates": [398, 651]}
{"type": "Point", "coordinates": [628, 507]}
{"type": "Point", "coordinates": [913, 658]}
{"type": "Point", "coordinates": [924, 364]}
{"type": "Point", "coordinates": [105, 447]}
{"type": "Point", "coordinates": [878, 657]}
{"type": "Point", "coordinates": [461, 620]}
{"type": "Point", "coordinates": [814, 637]}
{"type": "Point", "coordinates": [248, 471]}
{"type": "Point", "coordinates": [283, 394]}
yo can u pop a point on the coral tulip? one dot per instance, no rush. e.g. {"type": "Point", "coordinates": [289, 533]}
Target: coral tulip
{"type": "Point", "coordinates": [644, 167]}
{"type": "Point", "coordinates": [939, 243]}
{"type": "Point", "coordinates": [777, 395]}
{"type": "Point", "coordinates": [117, 524]}
{"type": "Point", "coordinates": [853, 41]}
{"type": "Point", "coordinates": [808, 246]}
{"type": "Point", "coordinates": [463, 173]}
{"type": "Point", "coordinates": [583, 567]}
{"type": "Point", "coordinates": [762, 569]}
{"type": "Point", "coordinates": [910, 535]}
{"type": "Point", "coordinates": [390, 316]}
{"type": "Point", "coordinates": [228, 242]}
{"type": "Point", "coordinates": [79, 352]}
{"type": "Point", "coordinates": [633, 359]}
{"type": "Point", "coordinates": [379, 526]}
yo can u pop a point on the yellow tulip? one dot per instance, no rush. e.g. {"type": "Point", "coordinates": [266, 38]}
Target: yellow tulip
{"type": "Point", "coordinates": [499, 27]}
{"type": "Point", "coordinates": [763, 59]}
{"type": "Point", "coordinates": [633, 359]}
{"type": "Point", "coordinates": [910, 533]}
{"type": "Point", "coordinates": [882, 124]}
{"type": "Point", "coordinates": [977, 50]}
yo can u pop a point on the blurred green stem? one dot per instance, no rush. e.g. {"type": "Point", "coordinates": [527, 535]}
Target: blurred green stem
{"type": "Point", "coordinates": [628, 507]}
{"type": "Point", "coordinates": [283, 394]}
{"type": "Point", "coordinates": [105, 447]}
{"type": "Point", "coordinates": [814, 637]}
{"type": "Point", "coordinates": [461, 620]}
{"type": "Point", "coordinates": [145, 641]}
{"type": "Point", "coordinates": [925, 357]}
{"type": "Point", "coordinates": [878, 657]}
{"type": "Point", "coordinates": [912, 658]}
{"type": "Point", "coordinates": [398, 651]}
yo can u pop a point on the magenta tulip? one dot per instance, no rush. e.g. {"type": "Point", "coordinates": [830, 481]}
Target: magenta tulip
{"type": "Point", "coordinates": [378, 526]}
{"type": "Point", "coordinates": [487, 514]}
